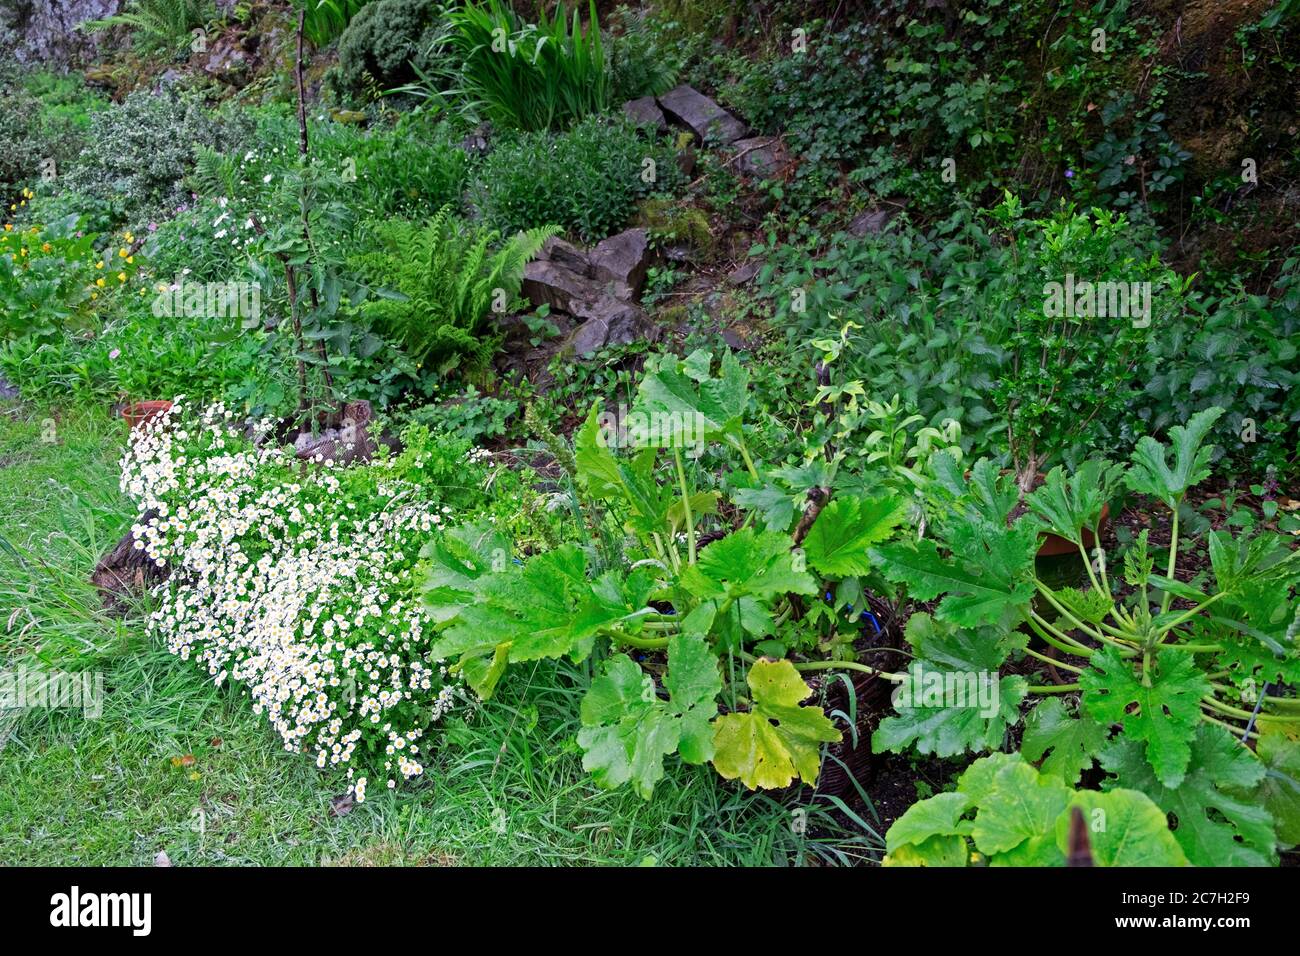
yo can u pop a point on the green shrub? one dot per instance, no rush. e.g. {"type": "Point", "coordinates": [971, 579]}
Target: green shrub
{"type": "Point", "coordinates": [588, 180]}
{"type": "Point", "coordinates": [139, 152]}
{"type": "Point", "coordinates": [43, 117]}
{"type": "Point", "coordinates": [435, 282]}
{"type": "Point", "coordinates": [387, 44]}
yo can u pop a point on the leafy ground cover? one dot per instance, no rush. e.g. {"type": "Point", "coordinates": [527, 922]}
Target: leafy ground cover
{"type": "Point", "coordinates": [882, 450]}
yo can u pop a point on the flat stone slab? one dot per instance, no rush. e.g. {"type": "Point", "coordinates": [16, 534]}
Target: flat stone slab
{"type": "Point", "coordinates": [762, 156]}
{"type": "Point", "coordinates": [644, 111]}
{"type": "Point", "coordinates": [703, 117]}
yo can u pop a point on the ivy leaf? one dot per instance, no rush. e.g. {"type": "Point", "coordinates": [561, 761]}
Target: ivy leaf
{"type": "Point", "coordinates": [1069, 743]}
{"type": "Point", "coordinates": [628, 729]}
{"type": "Point", "coordinates": [1280, 789]}
{"type": "Point", "coordinates": [1126, 828]}
{"type": "Point", "coordinates": [747, 562]}
{"type": "Point", "coordinates": [1215, 826]}
{"type": "Point", "coordinates": [777, 740]}
{"type": "Point", "coordinates": [836, 545]}
{"type": "Point", "coordinates": [1152, 474]}
{"type": "Point", "coordinates": [1164, 716]}
{"type": "Point", "coordinates": [988, 577]}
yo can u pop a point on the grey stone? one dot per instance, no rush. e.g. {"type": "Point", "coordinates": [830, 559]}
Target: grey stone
{"type": "Point", "coordinates": [744, 272]}
{"type": "Point", "coordinates": [764, 156]}
{"type": "Point", "coordinates": [607, 321]}
{"type": "Point", "coordinates": [554, 284]}
{"type": "Point", "coordinates": [45, 31]}
{"type": "Point", "coordinates": [644, 111]}
{"type": "Point", "coordinates": [703, 117]}
{"type": "Point", "coordinates": [871, 221]}
{"type": "Point", "coordinates": [623, 259]}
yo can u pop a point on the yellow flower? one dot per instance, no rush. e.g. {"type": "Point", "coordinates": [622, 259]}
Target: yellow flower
{"type": "Point", "coordinates": [9, 227]}
{"type": "Point", "coordinates": [45, 247]}
{"type": "Point", "coordinates": [94, 295]}
{"type": "Point", "coordinates": [23, 251]}
{"type": "Point", "coordinates": [130, 259]}
{"type": "Point", "coordinates": [121, 277]}
{"type": "Point", "coordinates": [128, 237]}
{"type": "Point", "coordinates": [99, 265]}
{"type": "Point", "coordinates": [100, 282]}
{"type": "Point", "coordinates": [13, 206]}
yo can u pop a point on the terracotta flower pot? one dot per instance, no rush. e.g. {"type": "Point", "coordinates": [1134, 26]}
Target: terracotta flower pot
{"type": "Point", "coordinates": [1053, 545]}
{"type": "Point", "coordinates": [137, 413]}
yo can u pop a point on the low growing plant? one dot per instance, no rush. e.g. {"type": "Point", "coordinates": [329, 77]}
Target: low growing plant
{"type": "Point", "coordinates": [1174, 675]}
{"type": "Point", "coordinates": [674, 592]}
{"type": "Point", "coordinates": [300, 584]}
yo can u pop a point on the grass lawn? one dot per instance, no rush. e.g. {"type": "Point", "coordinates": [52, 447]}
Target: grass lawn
{"type": "Point", "coordinates": [173, 764]}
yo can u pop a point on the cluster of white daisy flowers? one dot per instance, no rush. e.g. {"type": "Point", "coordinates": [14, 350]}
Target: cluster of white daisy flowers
{"type": "Point", "coordinates": [297, 582]}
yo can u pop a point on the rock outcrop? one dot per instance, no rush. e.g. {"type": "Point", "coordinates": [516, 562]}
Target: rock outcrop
{"type": "Point", "coordinates": [597, 288]}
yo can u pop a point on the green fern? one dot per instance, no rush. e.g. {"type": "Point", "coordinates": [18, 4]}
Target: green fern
{"type": "Point", "coordinates": [158, 24]}
{"type": "Point", "coordinates": [434, 284]}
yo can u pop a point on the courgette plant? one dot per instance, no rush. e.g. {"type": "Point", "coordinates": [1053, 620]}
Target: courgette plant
{"type": "Point", "coordinates": [681, 615]}
{"type": "Point", "coordinates": [1173, 674]}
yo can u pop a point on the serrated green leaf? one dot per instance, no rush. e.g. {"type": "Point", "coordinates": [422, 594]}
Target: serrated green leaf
{"type": "Point", "coordinates": [628, 729]}
{"type": "Point", "coordinates": [747, 562]}
{"type": "Point", "coordinates": [1151, 473]}
{"type": "Point", "coordinates": [1164, 715]}
{"type": "Point", "coordinates": [1065, 744]}
{"type": "Point", "coordinates": [836, 545]}
{"type": "Point", "coordinates": [946, 731]}
{"type": "Point", "coordinates": [1280, 789]}
{"type": "Point", "coordinates": [988, 577]}
{"type": "Point", "coordinates": [1215, 826]}
{"type": "Point", "coordinates": [940, 815]}
{"type": "Point", "coordinates": [775, 506]}
{"type": "Point", "coordinates": [1069, 505]}
{"type": "Point", "coordinates": [1125, 828]}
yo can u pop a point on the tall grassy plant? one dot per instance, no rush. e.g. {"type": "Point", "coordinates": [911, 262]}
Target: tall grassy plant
{"type": "Point", "coordinates": [327, 19]}
{"type": "Point", "coordinates": [532, 77]}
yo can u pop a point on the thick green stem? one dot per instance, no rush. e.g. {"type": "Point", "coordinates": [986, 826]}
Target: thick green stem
{"type": "Point", "coordinates": [686, 506]}
{"type": "Point", "coordinates": [848, 665]}
{"type": "Point", "coordinates": [1053, 688]}
{"type": "Point", "coordinates": [1053, 661]}
{"type": "Point", "coordinates": [1173, 560]}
